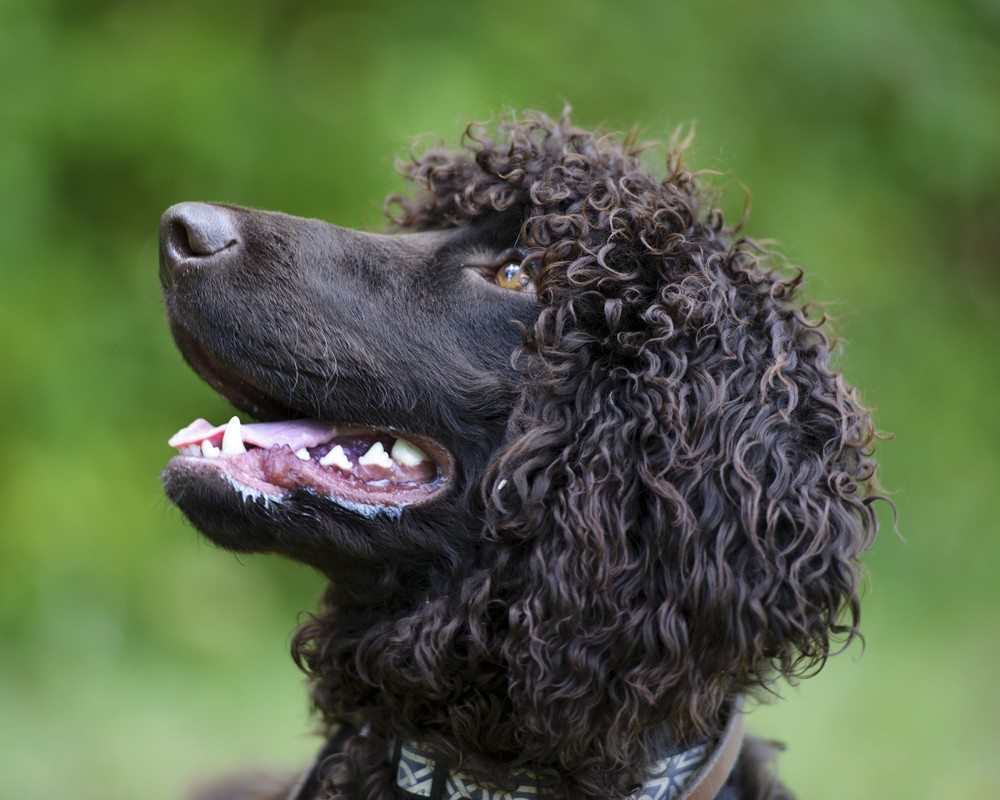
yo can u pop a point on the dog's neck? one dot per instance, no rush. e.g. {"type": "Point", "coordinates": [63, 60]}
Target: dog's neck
{"type": "Point", "coordinates": [369, 665]}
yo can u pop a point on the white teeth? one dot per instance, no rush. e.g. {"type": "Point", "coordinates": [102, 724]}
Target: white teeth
{"type": "Point", "coordinates": [408, 454]}
{"type": "Point", "coordinates": [209, 450]}
{"type": "Point", "coordinates": [232, 438]}
{"type": "Point", "coordinates": [190, 450]}
{"type": "Point", "coordinates": [376, 457]}
{"type": "Point", "coordinates": [338, 458]}
{"type": "Point", "coordinates": [303, 454]}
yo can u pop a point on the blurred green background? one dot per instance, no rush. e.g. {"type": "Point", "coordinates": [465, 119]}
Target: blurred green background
{"type": "Point", "coordinates": [135, 658]}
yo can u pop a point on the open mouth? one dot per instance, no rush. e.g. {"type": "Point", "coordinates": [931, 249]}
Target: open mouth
{"type": "Point", "coordinates": [363, 469]}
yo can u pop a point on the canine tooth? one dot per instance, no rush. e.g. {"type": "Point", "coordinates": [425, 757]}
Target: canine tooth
{"type": "Point", "coordinates": [337, 458]}
{"type": "Point", "coordinates": [232, 438]}
{"type": "Point", "coordinates": [209, 450]}
{"type": "Point", "coordinates": [303, 454]}
{"type": "Point", "coordinates": [408, 454]}
{"type": "Point", "coordinates": [376, 456]}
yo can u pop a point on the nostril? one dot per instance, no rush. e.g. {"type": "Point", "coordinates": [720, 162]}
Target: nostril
{"type": "Point", "coordinates": [178, 235]}
{"type": "Point", "coordinates": [195, 231]}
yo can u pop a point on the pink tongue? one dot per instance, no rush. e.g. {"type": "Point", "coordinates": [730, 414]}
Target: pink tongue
{"type": "Point", "coordinates": [296, 433]}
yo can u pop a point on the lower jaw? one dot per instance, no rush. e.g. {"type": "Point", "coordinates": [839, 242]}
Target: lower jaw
{"type": "Point", "coordinates": [272, 476]}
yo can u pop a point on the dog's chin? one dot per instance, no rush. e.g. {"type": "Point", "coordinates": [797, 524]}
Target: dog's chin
{"type": "Point", "coordinates": [317, 529]}
{"type": "Point", "coordinates": [214, 508]}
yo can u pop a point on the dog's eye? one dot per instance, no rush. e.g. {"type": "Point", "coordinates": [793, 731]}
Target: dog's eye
{"type": "Point", "coordinates": [511, 276]}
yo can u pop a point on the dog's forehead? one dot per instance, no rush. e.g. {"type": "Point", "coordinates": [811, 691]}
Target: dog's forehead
{"type": "Point", "coordinates": [498, 231]}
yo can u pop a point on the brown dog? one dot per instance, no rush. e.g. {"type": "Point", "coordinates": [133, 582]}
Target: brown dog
{"type": "Point", "coordinates": [568, 448]}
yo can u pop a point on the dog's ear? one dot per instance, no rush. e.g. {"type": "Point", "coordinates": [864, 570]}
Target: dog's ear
{"type": "Point", "coordinates": [686, 485]}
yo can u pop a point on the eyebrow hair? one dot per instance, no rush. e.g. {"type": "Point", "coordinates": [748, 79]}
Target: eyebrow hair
{"type": "Point", "coordinates": [497, 233]}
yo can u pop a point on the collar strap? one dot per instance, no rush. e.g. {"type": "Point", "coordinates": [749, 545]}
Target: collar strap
{"type": "Point", "coordinates": [695, 773]}
{"type": "Point", "coordinates": [708, 781]}
{"type": "Point", "coordinates": [421, 778]}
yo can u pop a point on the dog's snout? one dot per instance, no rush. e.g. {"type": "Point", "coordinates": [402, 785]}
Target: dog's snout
{"type": "Point", "coordinates": [192, 233]}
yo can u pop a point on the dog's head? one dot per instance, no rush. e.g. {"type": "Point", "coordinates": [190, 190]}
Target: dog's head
{"type": "Point", "coordinates": [380, 365]}
{"type": "Point", "coordinates": [620, 432]}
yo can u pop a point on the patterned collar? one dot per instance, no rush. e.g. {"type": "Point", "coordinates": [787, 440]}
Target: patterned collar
{"type": "Point", "coordinates": [695, 773]}
{"type": "Point", "coordinates": [421, 778]}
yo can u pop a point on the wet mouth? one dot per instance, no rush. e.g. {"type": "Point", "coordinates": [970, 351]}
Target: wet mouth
{"type": "Point", "coordinates": [365, 470]}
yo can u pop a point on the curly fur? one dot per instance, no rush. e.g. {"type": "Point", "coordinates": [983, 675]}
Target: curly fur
{"type": "Point", "coordinates": [675, 514]}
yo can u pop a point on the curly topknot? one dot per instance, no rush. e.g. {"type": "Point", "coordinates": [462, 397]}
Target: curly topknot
{"type": "Point", "coordinates": [684, 490]}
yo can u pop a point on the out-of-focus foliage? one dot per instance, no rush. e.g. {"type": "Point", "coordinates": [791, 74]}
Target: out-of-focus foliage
{"type": "Point", "coordinates": [136, 658]}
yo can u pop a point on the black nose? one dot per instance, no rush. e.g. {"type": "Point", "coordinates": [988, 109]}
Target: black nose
{"type": "Point", "coordinates": [191, 233]}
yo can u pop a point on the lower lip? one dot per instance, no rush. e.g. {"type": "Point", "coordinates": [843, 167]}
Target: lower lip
{"type": "Point", "coordinates": [272, 475]}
